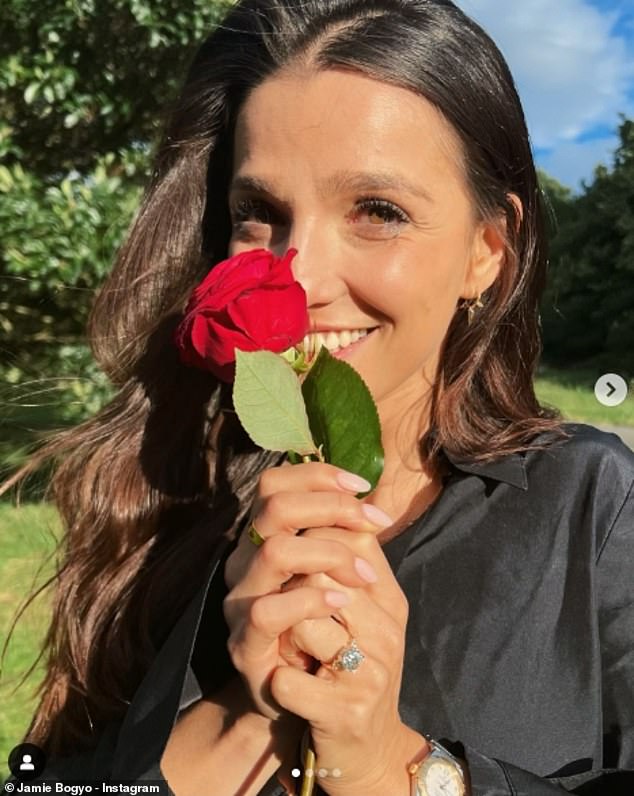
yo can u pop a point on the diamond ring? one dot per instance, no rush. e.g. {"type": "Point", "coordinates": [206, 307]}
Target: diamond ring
{"type": "Point", "coordinates": [348, 658]}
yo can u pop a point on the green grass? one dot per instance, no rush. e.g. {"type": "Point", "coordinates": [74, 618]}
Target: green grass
{"type": "Point", "coordinates": [572, 392]}
{"type": "Point", "coordinates": [27, 536]}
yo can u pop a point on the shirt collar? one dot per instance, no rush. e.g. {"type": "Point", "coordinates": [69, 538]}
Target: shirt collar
{"type": "Point", "coordinates": [511, 469]}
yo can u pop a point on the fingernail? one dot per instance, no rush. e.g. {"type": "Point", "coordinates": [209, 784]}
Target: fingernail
{"type": "Point", "coordinates": [353, 482]}
{"type": "Point", "coordinates": [366, 570]}
{"type": "Point", "coordinates": [336, 598]}
{"type": "Point", "coordinates": [375, 515]}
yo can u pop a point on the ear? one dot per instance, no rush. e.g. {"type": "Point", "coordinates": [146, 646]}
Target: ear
{"type": "Point", "coordinates": [488, 252]}
{"type": "Point", "coordinates": [487, 256]}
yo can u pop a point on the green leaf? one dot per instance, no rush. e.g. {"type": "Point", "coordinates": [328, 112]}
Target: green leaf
{"type": "Point", "coordinates": [343, 417]}
{"type": "Point", "coordinates": [267, 397]}
{"type": "Point", "coordinates": [30, 92]}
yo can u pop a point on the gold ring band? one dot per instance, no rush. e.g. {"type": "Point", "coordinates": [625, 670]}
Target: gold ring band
{"type": "Point", "coordinates": [254, 536]}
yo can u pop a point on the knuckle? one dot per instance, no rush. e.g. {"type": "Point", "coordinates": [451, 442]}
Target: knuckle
{"type": "Point", "coordinates": [357, 712]}
{"type": "Point", "coordinates": [340, 501]}
{"type": "Point", "coordinates": [301, 633]}
{"type": "Point", "coordinates": [400, 611]}
{"type": "Point", "coordinates": [318, 580]}
{"type": "Point", "coordinates": [321, 470]}
{"type": "Point", "coordinates": [234, 649]}
{"type": "Point", "coordinates": [267, 481]}
{"type": "Point", "coordinates": [379, 676]}
{"type": "Point", "coordinates": [366, 543]}
{"type": "Point", "coordinates": [273, 551]}
{"type": "Point", "coordinates": [258, 614]}
{"type": "Point", "coordinates": [275, 506]}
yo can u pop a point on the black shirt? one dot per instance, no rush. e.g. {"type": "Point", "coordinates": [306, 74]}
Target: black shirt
{"type": "Point", "coordinates": [520, 639]}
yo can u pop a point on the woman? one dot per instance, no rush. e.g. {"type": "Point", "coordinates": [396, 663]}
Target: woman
{"type": "Point", "coordinates": [485, 581]}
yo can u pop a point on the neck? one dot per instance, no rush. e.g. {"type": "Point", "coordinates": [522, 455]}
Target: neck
{"type": "Point", "coordinates": [407, 486]}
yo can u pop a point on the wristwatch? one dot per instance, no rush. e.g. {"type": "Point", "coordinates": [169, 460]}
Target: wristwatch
{"type": "Point", "coordinates": [438, 774]}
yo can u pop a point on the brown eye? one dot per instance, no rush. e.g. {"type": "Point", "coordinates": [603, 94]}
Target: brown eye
{"type": "Point", "coordinates": [379, 212]}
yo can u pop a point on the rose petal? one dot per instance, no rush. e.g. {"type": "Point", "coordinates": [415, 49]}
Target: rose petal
{"type": "Point", "coordinates": [271, 313]}
{"type": "Point", "coordinates": [250, 301]}
{"type": "Point", "coordinates": [230, 277]}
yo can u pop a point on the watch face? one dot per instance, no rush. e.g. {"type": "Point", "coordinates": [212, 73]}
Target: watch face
{"type": "Point", "coordinates": [442, 779]}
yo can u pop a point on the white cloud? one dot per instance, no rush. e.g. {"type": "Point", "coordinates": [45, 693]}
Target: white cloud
{"type": "Point", "coordinates": [573, 72]}
{"type": "Point", "coordinates": [572, 161]}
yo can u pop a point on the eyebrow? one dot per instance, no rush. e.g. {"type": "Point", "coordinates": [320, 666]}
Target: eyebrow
{"type": "Point", "coordinates": [340, 181]}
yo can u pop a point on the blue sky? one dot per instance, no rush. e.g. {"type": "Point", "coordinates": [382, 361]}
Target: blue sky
{"type": "Point", "coordinates": [573, 62]}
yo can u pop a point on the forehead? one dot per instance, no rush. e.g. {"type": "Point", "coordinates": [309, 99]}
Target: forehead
{"type": "Point", "coordinates": [339, 119]}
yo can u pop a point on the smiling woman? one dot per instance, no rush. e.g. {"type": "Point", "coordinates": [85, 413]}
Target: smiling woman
{"type": "Point", "coordinates": [482, 593]}
{"type": "Point", "coordinates": [378, 251]}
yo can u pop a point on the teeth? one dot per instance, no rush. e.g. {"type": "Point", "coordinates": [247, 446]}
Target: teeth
{"type": "Point", "coordinates": [332, 340]}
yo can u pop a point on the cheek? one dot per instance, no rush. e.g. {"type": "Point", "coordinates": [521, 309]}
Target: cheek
{"type": "Point", "coordinates": [428, 281]}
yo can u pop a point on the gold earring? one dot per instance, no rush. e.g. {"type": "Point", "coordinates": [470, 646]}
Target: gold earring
{"type": "Point", "coordinates": [472, 305]}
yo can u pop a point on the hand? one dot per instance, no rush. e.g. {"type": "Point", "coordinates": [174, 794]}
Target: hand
{"type": "Point", "coordinates": [257, 611]}
{"type": "Point", "coordinates": [354, 719]}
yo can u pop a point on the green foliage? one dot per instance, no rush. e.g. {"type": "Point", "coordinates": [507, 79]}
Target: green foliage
{"type": "Point", "coordinates": [588, 309]}
{"type": "Point", "coordinates": [343, 417]}
{"type": "Point", "coordinates": [58, 244]}
{"type": "Point", "coordinates": [332, 415]}
{"type": "Point", "coordinates": [84, 88]}
{"type": "Point", "coordinates": [267, 397]}
{"type": "Point", "coordinates": [82, 78]}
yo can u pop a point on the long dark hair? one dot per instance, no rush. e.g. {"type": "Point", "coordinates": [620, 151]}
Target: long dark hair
{"type": "Point", "coordinates": [148, 486]}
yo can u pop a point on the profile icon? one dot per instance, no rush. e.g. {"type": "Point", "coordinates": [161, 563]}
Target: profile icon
{"type": "Point", "coordinates": [26, 764]}
{"type": "Point", "coordinates": [26, 761]}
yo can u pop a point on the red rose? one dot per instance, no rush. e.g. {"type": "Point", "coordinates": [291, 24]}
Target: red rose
{"type": "Point", "coordinates": [251, 302]}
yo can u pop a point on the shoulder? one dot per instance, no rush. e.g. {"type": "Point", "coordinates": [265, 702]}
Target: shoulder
{"type": "Point", "coordinates": [589, 476]}
{"type": "Point", "coordinates": [587, 452]}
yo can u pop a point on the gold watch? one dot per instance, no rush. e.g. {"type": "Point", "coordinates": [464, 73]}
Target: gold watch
{"type": "Point", "coordinates": [438, 774]}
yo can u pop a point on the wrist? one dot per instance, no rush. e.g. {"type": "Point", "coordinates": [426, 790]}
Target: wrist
{"type": "Point", "coordinates": [439, 773]}
{"type": "Point", "coordinates": [390, 776]}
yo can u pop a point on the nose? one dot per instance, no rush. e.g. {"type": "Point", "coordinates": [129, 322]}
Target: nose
{"type": "Point", "coordinates": [317, 266]}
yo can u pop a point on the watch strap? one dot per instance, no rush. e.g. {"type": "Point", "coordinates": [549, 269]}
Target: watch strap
{"type": "Point", "coordinates": [438, 752]}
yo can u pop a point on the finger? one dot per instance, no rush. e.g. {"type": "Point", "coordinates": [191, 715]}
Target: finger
{"type": "Point", "coordinates": [282, 556]}
{"type": "Point", "coordinates": [319, 639]}
{"type": "Point", "coordinates": [376, 632]}
{"type": "Point", "coordinates": [269, 616]}
{"type": "Point", "coordinates": [286, 511]}
{"type": "Point", "coordinates": [309, 477]}
{"type": "Point", "coordinates": [325, 698]}
{"type": "Point", "coordinates": [386, 589]}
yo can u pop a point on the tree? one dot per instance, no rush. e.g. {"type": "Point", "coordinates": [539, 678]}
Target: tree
{"type": "Point", "coordinates": [84, 85]}
{"type": "Point", "coordinates": [588, 310]}
{"type": "Point", "coordinates": [83, 78]}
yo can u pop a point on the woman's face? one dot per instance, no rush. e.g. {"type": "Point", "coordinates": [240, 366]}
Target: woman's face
{"type": "Point", "coordinates": [364, 179]}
